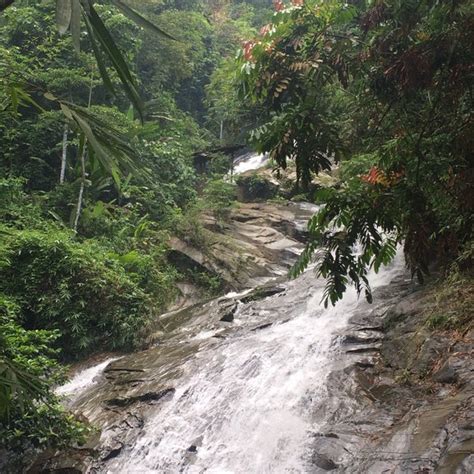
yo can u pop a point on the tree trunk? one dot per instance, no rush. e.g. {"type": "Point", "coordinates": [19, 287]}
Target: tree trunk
{"type": "Point", "coordinates": [62, 175]}
{"type": "Point", "coordinates": [83, 184]}
{"type": "Point", "coordinates": [83, 165]}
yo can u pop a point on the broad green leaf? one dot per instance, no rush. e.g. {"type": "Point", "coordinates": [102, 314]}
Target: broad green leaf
{"type": "Point", "coordinates": [130, 115]}
{"type": "Point", "coordinates": [76, 24]}
{"type": "Point", "coordinates": [63, 15]}
{"type": "Point", "coordinates": [108, 44]}
{"type": "Point", "coordinates": [95, 143]}
{"type": "Point", "coordinates": [14, 99]}
{"type": "Point", "coordinates": [50, 96]}
{"type": "Point", "coordinates": [112, 151]}
{"type": "Point", "coordinates": [18, 96]}
{"type": "Point", "coordinates": [66, 111]}
{"type": "Point", "coordinates": [140, 20]}
{"type": "Point", "coordinates": [100, 61]}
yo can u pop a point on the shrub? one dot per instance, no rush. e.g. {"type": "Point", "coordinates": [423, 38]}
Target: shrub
{"type": "Point", "coordinates": [73, 287]}
{"type": "Point", "coordinates": [30, 413]}
{"type": "Point", "coordinates": [220, 196]}
{"type": "Point", "coordinates": [452, 300]}
{"type": "Point", "coordinates": [255, 187]}
{"type": "Point", "coordinates": [211, 284]}
{"type": "Point", "coordinates": [15, 205]}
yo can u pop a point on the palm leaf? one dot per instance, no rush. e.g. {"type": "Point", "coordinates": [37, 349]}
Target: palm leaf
{"type": "Point", "coordinates": [100, 62]}
{"type": "Point", "coordinates": [17, 386]}
{"type": "Point", "coordinates": [112, 150]}
{"type": "Point", "coordinates": [63, 15]}
{"type": "Point", "coordinates": [113, 53]}
{"type": "Point", "coordinates": [140, 20]}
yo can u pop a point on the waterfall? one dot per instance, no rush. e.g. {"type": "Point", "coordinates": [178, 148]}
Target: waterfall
{"type": "Point", "coordinates": [248, 404]}
{"type": "Point", "coordinates": [83, 380]}
{"type": "Point", "coordinates": [248, 162]}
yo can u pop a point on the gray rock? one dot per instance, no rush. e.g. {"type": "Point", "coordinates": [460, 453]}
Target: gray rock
{"type": "Point", "coordinates": [148, 397]}
{"type": "Point", "coordinates": [323, 462]}
{"type": "Point", "coordinates": [229, 312]}
{"type": "Point", "coordinates": [261, 293]}
{"type": "Point", "coordinates": [446, 374]}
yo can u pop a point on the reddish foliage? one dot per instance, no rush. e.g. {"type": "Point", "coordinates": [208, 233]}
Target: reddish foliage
{"type": "Point", "coordinates": [278, 5]}
{"type": "Point", "coordinates": [248, 50]}
{"type": "Point", "coordinates": [377, 176]}
{"type": "Point", "coordinates": [413, 69]}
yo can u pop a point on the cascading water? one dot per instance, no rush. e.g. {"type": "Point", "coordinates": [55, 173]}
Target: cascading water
{"type": "Point", "coordinates": [248, 162]}
{"type": "Point", "coordinates": [247, 405]}
{"type": "Point", "coordinates": [83, 380]}
{"type": "Point", "coordinates": [246, 397]}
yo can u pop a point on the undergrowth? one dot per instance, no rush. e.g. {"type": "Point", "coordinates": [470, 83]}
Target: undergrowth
{"type": "Point", "coordinates": [452, 303]}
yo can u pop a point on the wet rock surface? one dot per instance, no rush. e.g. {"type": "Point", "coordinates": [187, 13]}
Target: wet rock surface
{"type": "Point", "coordinates": [258, 242]}
{"type": "Point", "coordinates": [398, 399]}
{"type": "Point", "coordinates": [133, 388]}
{"type": "Point", "coordinates": [407, 407]}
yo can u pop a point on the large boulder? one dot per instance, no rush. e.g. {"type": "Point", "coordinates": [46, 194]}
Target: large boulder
{"type": "Point", "coordinates": [260, 240]}
{"type": "Point", "coordinates": [255, 188]}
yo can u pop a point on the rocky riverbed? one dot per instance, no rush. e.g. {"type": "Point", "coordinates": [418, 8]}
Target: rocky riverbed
{"type": "Point", "coordinates": [257, 242]}
{"type": "Point", "coordinates": [412, 393]}
{"type": "Point", "coordinates": [266, 380]}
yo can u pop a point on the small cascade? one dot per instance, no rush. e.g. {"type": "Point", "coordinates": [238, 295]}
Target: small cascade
{"type": "Point", "coordinates": [248, 162]}
{"type": "Point", "coordinates": [248, 405]}
{"type": "Point", "coordinates": [83, 380]}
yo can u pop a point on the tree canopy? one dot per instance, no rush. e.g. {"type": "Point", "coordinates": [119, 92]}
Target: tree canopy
{"type": "Point", "coordinates": [383, 90]}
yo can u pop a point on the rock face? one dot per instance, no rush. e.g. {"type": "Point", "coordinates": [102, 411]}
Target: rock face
{"type": "Point", "coordinates": [255, 188]}
{"type": "Point", "coordinates": [397, 399]}
{"type": "Point", "coordinates": [259, 241]}
{"type": "Point", "coordinates": [407, 400]}
{"type": "Point", "coordinates": [131, 389]}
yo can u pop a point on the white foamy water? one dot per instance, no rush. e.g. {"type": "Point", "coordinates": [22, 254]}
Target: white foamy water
{"type": "Point", "coordinates": [246, 405]}
{"type": "Point", "coordinates": [83, 380]}
{"type": "Point", "coordinates": [234, 294]}
{"type": "Point", "coordinates": [249, 161]}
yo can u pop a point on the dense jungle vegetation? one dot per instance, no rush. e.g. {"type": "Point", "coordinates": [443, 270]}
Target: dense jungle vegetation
{"type": "Point", "coordinates": [102, 105]}
{"type": "Point", "coordinates": [386, 89]}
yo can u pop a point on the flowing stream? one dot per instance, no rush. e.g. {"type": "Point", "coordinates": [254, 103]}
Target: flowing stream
{"type": "Point", "coordinates": [247, 396]}
{"type": "Point", "coordinates": [249, 402]}
{"type": "Point", "coordinates": [248, 162]}
{"type": "Point", "coordinates": [83, 380]}
{"type": "Point", "coordinates": [246, 406]}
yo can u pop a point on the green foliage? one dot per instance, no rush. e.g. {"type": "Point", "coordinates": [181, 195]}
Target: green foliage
{"type": "Point", "coordinates": [74, 288]}
{"type": "Point", "coordinates": [219, 196]}
{"type": "Point", "coordinates": [73, 76]}
{"type": "Point", "coordinates": [211, 283]}
{"type": "Point", "coordinates": [63, 298]}
{"type": "Point", "coordinates": [188, 226]}
{"type": "Point", "coordinates": [219, 164]}
{"type": "Point", "coordinates": [30, 414]}
{"type": "Point", "coordinates": [451, 302]}
{"type": "Point", "coordinates": [256, 187]}
{"type": "Point", "coordinates": [385, 89]}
